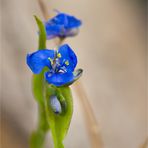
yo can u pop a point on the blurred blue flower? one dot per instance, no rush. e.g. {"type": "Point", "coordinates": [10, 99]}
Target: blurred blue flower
{"type": "Point", "coordinates": [61, 64]}
{"type": "Point", "coordinates": [62, 25]}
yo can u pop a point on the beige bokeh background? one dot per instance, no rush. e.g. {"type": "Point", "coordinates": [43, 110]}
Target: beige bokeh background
{"type": "Point", "coordinates": [111, 48]}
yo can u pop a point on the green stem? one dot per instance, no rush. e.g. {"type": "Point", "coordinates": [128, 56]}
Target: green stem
{"type": "Point", "coordinates": [38, 137]}
{"type": "Point", "coordinates": [58, 144]}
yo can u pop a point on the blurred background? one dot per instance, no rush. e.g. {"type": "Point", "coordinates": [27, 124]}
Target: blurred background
{"type": "Point", "coordinates": [111, 48]}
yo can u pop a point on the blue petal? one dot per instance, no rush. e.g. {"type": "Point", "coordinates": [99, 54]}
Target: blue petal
{"type": "Point", "coordinates": [71, 32]}
{"type": "Point", "coordinates": [67, 57]}
{"type": "Point", "coordinates": [62, 25]}
{"type": "Point", "coordinates": [59, 19]}
{"type": "Point", "coordinates": [52, 30]}
{"type": "Point", "coordinates": [77, 74]}
{"type": "Point", "coordinates": [73, 22]}
{"type": "Point", "coordinates": [59, 79]}
{"type": "Point", "coordinates": [55, 26]}
{"type": "Point", "coordinates": [39, 59]}
{"type": "Point", "coordinates": [66, 21]}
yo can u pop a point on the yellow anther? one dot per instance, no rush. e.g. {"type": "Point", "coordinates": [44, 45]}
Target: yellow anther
{"type": "Point", "coordinates": [59, 55]}
{"type": "Point", "coordinates": [50, 60]}
{"type": "Point", "coordinates": [67, 62]}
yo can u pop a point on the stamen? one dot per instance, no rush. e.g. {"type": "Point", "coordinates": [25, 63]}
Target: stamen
{"type": "Point", "coordinates": [50, 61]}
{"type": "Point", "coordinates": [59, 55]}
{"type": "Point", "coordinates": [63, 68]}
{"type": "Point", "coordinates": [55, 64]}
{"type": "Point", "coordinates": [67, 62]}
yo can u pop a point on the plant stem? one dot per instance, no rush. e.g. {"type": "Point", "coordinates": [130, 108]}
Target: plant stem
{"type": "Point", "coordinates": [38, 137]}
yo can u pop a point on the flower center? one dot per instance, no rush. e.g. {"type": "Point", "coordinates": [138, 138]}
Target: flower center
{"type": "Point", "coordinates": [57, 65]}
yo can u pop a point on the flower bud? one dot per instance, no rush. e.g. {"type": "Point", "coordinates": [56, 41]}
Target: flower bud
{"type": "Point", "coordinates": [55, 105]}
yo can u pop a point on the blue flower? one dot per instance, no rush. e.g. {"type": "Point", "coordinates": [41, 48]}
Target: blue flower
{"type": "Point", "coordinates": [61, 64]}
{"type": "Point", "coordinates": [62, 25]}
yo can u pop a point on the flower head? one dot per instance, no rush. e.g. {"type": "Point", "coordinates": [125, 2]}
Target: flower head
{"type": "Point", "coordinates": [62, 25]}
{"type": "Point", "coordinates": [61, 64]}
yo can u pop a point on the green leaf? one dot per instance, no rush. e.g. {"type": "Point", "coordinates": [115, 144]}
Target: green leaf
{"type": "Point", "coordinates": [38, 137]}
{"type": "Point", "coordinates": [38, 80]}
{"type": "Point", "coordinates": [42, 33]}
{"type": "Point", "coordinates": [59, 123]}
{"type": "Point", "coordinates": [37, 87]}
